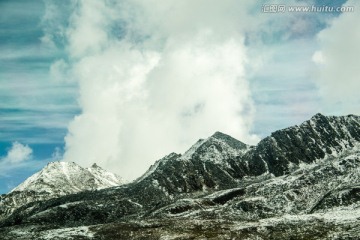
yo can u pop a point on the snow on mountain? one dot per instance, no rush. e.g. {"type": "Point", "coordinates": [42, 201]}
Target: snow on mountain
{"type": "Point", "coordinates": [57, 179]}
{"type": "Point", "coordinates": [61, 178]}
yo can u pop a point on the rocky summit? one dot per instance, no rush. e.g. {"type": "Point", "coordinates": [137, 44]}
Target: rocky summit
{"type": "Point", "coordinates": [302, 182]}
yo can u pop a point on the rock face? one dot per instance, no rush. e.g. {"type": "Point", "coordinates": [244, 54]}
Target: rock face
{"type": "Point", "coordinates": [301, 182]}
{"type": "Point", "coordinates": [55, 180]}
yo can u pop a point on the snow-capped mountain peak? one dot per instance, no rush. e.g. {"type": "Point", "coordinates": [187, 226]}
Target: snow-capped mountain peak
{"type": "Point", "coordinates": [60, 178]}
{"type": "Point", "coordinates": [57, 179]}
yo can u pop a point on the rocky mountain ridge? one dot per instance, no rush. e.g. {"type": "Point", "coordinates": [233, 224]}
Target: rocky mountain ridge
{"type": "Point", "coordinates": [301, 182]}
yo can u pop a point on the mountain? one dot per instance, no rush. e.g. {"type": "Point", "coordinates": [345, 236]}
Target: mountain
{"type": "Point", "coordinates": [57, 179]}
{"type": "Point", "coordinates": [301, 182]}
{"type": "Point", "coordinates": [62, 178]}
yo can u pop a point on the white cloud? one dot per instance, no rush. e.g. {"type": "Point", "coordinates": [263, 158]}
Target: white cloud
{"type": "Point", "coordinates": [18, 153]}
{"type": "Point", "coordinates": [339, 71]}
{"type": "Point", "coordinates": [161, 86]}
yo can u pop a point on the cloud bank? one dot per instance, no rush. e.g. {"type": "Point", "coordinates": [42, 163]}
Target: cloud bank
{"type": "Point", "coordinates": [338, 63]}
{"type": "Point", "coordinates": [153, 78]}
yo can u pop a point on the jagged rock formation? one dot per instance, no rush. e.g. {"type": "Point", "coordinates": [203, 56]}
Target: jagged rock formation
{"type": "Point", "coordinates": [55, 180]}
{"type": "Point", "coordinates": [301, 182]}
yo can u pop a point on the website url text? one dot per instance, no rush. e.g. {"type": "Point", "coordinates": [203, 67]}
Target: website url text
{"type": "Point", "coordinates": [278, 8]}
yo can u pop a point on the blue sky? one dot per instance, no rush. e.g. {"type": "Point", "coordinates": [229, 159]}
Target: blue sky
{"type": "Point", "coordinates": [89, 81]}
{"type": "Point", "coordinates": [34, 110]}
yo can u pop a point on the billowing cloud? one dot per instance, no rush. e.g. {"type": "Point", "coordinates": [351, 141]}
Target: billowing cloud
{"type": "Point", "coordinates": [338, 64]}
{"type": "Point", "coordinates": [153, 78]}
{"type": "Point", "coordinates": [18, 153]}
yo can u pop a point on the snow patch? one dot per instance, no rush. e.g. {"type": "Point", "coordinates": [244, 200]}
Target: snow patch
{"type": "Point", "coordinates": [67, 233]}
